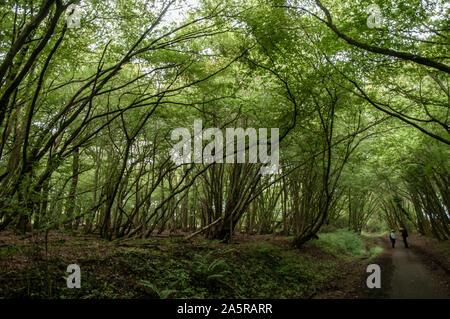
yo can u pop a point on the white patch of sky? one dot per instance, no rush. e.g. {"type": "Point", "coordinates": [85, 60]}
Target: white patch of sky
{"type": "Point", "coordinates": [179, 11]}
{"type": "Point", "coordinates": [176, 14]}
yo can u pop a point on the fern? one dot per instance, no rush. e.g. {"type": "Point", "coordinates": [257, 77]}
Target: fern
{"type": "Point", "coordinates": [210, 271]}
{"type": "Point", "coordinates": [162, 294]}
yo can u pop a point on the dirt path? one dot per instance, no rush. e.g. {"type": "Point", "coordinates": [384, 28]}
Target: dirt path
{"type": "Point", "coordinates": [405, 274]}
{"type": "Point", "coordinates": [411, 278]}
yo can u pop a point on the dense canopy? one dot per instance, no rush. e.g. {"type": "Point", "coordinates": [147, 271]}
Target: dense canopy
{"type": "Point", "coordinates": [360, 98]}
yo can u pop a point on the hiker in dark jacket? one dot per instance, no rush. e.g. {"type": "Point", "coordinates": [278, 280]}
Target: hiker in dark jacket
{"type": "Point", "coordinates": [392, 238]}
{"type": "Point", "coordinates": [404, 235]}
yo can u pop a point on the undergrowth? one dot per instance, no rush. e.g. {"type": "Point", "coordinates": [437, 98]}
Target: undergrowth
{"type": "Point", "coordinates": [172, 269]}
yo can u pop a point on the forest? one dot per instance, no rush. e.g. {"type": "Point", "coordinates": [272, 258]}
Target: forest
{"type": "Point", "coordinates": [224, 148]}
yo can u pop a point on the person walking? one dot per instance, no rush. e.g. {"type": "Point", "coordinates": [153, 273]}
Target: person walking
{"type": "Point", "coordinates": [392, 238]}
{"type": "Point", "coordinates": [404, 235]}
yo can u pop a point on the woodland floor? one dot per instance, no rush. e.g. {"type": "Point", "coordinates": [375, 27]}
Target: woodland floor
{"type": "Point", "coordinates": [260, 266]}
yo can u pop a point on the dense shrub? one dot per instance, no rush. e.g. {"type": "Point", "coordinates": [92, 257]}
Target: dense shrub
{"type": "Point", "coordinates": [341, 242]}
